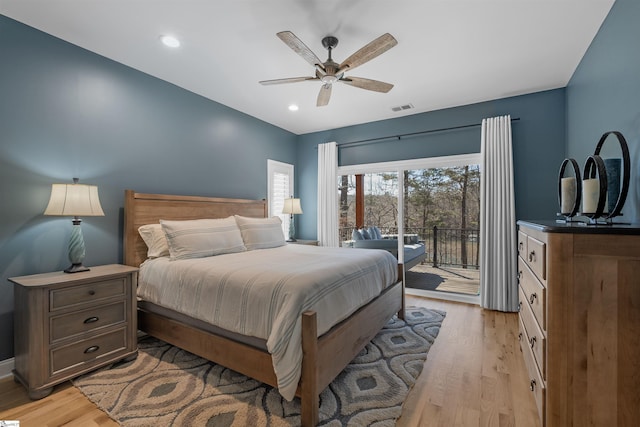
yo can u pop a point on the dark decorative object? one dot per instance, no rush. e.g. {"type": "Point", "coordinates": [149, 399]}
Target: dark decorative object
{"type": "Point", "coordinates": [626, 175]}
{"type": "Point", "coordinates": [594, 168]}
{"type": "Point", "coordinates": [613, 182]}
{"type": "Point", "coordinates": [569, 190]}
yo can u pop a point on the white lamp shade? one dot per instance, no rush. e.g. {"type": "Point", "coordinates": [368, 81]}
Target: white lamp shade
{"type": "Point", "coordinates": [291, 206]}
{"type": "Point", "coordinates": [74, 200]}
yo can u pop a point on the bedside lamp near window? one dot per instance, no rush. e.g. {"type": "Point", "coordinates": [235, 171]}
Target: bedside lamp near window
{"type": "Point", "coordinates": [291, 206]}
{"type": "Point", "coordinates": [75, 200]}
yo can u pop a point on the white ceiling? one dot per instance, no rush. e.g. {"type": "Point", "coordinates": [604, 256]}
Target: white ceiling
{"type": "Point", "coordinates": [449, 53]}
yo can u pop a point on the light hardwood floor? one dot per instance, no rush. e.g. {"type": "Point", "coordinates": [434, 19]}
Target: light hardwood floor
{"type": "Point", "coordinates": [474, 376]}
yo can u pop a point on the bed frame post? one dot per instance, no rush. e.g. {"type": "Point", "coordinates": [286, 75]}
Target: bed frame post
{"type": "Point", "coordinates": [309, 393]}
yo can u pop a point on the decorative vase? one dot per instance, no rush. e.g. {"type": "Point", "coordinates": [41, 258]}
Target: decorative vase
{"type": "Point", "coordinates": [618, 186]}
{"type": "Point", "coordinates": [613, 182]}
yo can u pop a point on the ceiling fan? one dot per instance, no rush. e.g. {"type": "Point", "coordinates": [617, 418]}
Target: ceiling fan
{"type": "Point", "coordinates": [329, 72]}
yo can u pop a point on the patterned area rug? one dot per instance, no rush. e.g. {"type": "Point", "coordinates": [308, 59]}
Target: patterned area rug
{"type": "Point", "coordinates": [167, 386]}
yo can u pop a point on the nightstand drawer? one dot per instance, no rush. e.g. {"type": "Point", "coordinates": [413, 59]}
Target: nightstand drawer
{"type": "Point", "coordinates": [83, 294]}
{"type": "Point", "coordinates": [535, 294]}
{"type": "Point", "coordinates": [86, 351]}
{"type": "Point", "coordinates": [90, 319]}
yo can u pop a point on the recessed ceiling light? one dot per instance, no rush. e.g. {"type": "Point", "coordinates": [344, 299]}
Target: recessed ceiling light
{"type": "Point", "coordinates": [170, 41]}
{"type": "Point", "coordinates": [293, 107]}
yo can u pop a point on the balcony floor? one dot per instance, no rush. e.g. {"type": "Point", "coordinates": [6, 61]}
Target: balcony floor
{"type": "Point", "coordinates": [444, 279]}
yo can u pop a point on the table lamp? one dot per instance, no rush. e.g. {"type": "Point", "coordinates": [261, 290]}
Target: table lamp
{"type": "Point", "coordinates": [291, 206]}
{"type": "Point", "coordinates": [75, 200]}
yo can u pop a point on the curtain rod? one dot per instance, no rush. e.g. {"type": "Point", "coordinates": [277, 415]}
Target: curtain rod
{"type": "Point", "coordinates": [381, 138]}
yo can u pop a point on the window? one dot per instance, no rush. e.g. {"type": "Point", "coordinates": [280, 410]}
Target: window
{"type": "Point", "coordinates": [280, 187]}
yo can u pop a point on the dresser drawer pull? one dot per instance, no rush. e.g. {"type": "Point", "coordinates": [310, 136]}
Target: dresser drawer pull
{"type": "Point", "coordinates": [532, 385]}
{"type": "Point", "coordinates": [532, 341]}
{"type": "Point", "coordinates": [532, 298]}
{"type": "Point", "coordinates": [92, 349]}
{"type": "Point", "coordinates": [520, 336]}
{"type": "Point", "coordinates": [91, 319]}
{"type": "Point", "coordinates": [519, 306]}
{"type": "Point", "coordinates": [92, 292]}
{"type": "Point", "coordinates": [519, 275]}
{"type": "Point", "coordinates": [532, 256]}
{"type": "Point", "coordinates": [520, 246]}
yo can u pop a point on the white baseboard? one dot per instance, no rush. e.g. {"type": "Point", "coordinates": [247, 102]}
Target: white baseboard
{"type": "Point", "coordinates": [6, 366]}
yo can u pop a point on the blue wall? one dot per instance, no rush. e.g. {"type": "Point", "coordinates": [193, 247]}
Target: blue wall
{"type": "Point", "coordinates": [66, 112]}
{"type": "Point", "coordinates": [538, 148]}
{"type": "Point", "coordinates": [604, 94]}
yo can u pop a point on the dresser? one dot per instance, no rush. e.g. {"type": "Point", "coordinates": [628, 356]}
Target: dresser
{"type": "Point", "coordinates": [579, 321]}
{"type": "Point", "coordinates": [68, 324]}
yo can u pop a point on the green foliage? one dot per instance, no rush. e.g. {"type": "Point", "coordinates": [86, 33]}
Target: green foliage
{"type": "Point", "coordinates": [443, 197]}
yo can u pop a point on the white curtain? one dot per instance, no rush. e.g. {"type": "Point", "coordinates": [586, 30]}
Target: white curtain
{"type": "Point", "coordinates": [498, 256]}
{"type": "Point", "coordinates": [327, 194]}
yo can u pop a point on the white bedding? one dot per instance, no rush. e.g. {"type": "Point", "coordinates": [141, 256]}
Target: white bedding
{"type": "Point", "coordinates": [262, 293]}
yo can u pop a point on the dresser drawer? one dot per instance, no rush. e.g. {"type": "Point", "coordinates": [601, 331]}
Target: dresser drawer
{"type": "Point", "coordinates": [87, 351]}
{"type": "Point", "coordinates": [83, 294]}
{"type": "Point", "coordinates": [522, 244]}
{"type": "Point", "coordinates": [536, 384]}
{"type": "Point", "coordinates": [78, 322]}
{"type": "Point", "coordinates": [535, 294]}
{"type": "Point", "coordinates": [534, 337]}
{"type": "Point", "coordinates": [536, 257]}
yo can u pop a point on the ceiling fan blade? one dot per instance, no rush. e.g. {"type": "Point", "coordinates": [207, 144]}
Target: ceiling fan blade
{"type": "Point", "coordinates": [298, 47]}
{"type": "Point", "coordinates": [324, 95]}
{"type": "Point", "coordinates": [288, 80]}
{"type": "Point", "coordinates": [368, 84]}
{"type": "Point", "coordinates": [368, 52]}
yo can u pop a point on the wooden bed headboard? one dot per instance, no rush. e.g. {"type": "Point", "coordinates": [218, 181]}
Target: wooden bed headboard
{"type": "Point", "coordinates": [141, 209]}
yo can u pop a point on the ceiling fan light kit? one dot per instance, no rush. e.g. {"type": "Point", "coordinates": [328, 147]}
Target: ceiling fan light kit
{"type": "Point", "coordinates": [330, 72]}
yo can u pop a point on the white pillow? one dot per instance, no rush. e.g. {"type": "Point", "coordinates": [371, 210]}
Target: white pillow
{"type": "Point", "coordinates": [261, 233]}
{"type": "Point", "coordinates": [153, 236]}
{"type": "Point", "coordinates": [201, 238]}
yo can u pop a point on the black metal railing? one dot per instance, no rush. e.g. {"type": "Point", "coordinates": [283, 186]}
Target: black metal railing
{"type": "Point", "coordinates": [444, 246]}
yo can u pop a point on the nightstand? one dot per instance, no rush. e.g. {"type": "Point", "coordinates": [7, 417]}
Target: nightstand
{"type": "Point", "coordinates": [69, 324]}
{"type": "Point", "coordinates": [304, 242]}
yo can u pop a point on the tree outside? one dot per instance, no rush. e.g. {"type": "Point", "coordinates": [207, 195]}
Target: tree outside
{"type": "Point", "coordinates": [446, 198]}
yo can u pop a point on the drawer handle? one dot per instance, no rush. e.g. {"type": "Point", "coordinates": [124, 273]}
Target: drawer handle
{"type": "Point", "coordinates": [532, 298]}
{"type": "Point", "coordinates": [532, 385]}
{"type": "Point", "coordinates": [520, 336]}
{"type": "Point", "coordinates": [532, 256]}
{"type": "Point", "coordinates": [520, 246]}
{"type": "Point", "coordinates": [532, 342]}
{"type": "Point", "coordinates": [92, 349]}
{"type": "Point", "coordinates": [520, 275]}
{"type": "Point", "coordinates": [92, 319]}
{"type": "Point", "coordinates": [519, 306]}
{"type": "Point", "coordinates": [92, 292]}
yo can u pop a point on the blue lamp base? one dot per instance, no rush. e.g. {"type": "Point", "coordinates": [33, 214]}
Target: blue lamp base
{"type": "Point", "coordinates": [292, 230]}
{"type": "Point", "coordinates": [76, 249]}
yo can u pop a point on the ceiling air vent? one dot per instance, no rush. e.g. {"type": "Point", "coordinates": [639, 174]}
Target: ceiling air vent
{"type": "Point", "coordinates": [402, 107]}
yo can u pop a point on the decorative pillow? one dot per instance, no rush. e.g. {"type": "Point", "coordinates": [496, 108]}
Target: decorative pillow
{"type": "Point", "coordinates": [376, 230]}
{"type": "Point", "coordinates": [365, 234]}
{"type": "Point", "coordinates": [372, 233]}
{"type": "Point", "coordinates": [356, 235]}
{"type": "Point", "coordinates": [201, 238]}
{"type": "Point", "coordinates": [261, 233]}
{"type": "Point", "coordinates": [153, 236]}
